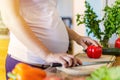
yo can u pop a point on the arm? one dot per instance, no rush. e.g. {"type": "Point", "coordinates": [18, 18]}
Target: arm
{"type": "Point", "coordinates": [82, 40]}
{"type": "Point", "coordinates": [13, 20]}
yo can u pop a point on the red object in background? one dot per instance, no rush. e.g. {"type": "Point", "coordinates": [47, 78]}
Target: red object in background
{"type": "Point", "coordinates": [117, 43]}
{"type": "Point", "coordinates": [94, 51]}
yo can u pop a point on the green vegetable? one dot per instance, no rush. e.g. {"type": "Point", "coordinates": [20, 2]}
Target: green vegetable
{"type": "Point", "coordinates": [111, 51]}
{"type": "Point", "coordinates": [115, 73]}
{"type": "Point", "coordinates": [104, 73]}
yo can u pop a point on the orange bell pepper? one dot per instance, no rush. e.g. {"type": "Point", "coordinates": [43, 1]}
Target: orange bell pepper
{"type": "Point", "coordinates": [24, 71]}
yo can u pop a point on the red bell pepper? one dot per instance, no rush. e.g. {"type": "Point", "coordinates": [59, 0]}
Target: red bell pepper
{"type": "Point", "coordinates": [94, 51]}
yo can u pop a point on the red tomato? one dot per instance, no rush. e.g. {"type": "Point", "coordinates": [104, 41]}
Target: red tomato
{"type": "Point", "coordinates": [52, 78]}
{"type": "Point", "coordinates": [117, 43]}
{"type": "Point", "coordinates": [94, 51]}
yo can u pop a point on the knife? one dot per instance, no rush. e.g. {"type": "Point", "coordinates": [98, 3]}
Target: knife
{"type": "Point", "coordinates": [45, 66]}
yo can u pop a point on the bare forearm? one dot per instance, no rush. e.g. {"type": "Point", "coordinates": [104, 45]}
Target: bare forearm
{"type": "Point", "coordinates": [81, 40]}
{"type": "Point", "coordinates": [72, 34]}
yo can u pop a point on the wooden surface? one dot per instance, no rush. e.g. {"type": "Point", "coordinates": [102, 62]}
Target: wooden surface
{"type": "Point", "coordinates": [117, 61]}
{"type": "Point", "coordinates": [65, 76]}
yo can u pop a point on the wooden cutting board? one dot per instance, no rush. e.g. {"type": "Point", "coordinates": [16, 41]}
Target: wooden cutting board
{"type": "Point", "coordinates": [84, 58]}
{"type": "Point", "coordinates": [86, 70]}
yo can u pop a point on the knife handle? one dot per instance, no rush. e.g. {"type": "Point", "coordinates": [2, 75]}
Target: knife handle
{"type": "Point", "coordinates": [56, 65]}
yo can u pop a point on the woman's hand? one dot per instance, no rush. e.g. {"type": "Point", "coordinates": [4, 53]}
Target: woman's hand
{"type": "Point", "coordinates": [81, 40]}
{"type": "Point", "coordinates": [86, 41]}
{"type": "Point", "coordinates": [63, 58]}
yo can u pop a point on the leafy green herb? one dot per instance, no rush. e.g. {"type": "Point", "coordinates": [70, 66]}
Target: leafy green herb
{"type": "Point", "coordinates": [90, 20]}
{"type": "Point", "coordinates": [111, 22]}
{"type": "Point", "coordinates": [104, 73]}
{"type": "Point", "coordinates": [112, 19]}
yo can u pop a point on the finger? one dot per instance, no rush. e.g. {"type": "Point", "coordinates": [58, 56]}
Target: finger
{"type": "Point", "coordinates": [97, 43]}
{"type": "Point", "coordinates": [63, 62]}
{"type": "Point", "coordinates": [79, 61]}
{"type": "Point", "coordinates": [69, 60]}
{"type": "Point", "coordinates": [74, 62]}
{"type": "Point", "coordinates": [88, 43]}
{"type": "Point", "coordinates": [84, 45]}
{"type": "Point", "coordinates": [93, 42]}
{"type": "Point", "coordinates": [71, 56]}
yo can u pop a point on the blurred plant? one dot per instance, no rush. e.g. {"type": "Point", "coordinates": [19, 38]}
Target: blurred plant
{"type": "Point", "coordinates": [111, 22]}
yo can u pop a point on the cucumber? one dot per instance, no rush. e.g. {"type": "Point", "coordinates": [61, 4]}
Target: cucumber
{"type": "Point", "coordinates": [111, 51]}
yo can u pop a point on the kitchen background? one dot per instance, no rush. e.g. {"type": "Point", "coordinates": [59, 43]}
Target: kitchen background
{"type": "Point", "coordinates": [68, 10]}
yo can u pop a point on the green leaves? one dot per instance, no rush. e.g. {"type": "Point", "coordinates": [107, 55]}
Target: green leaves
{"type": "Point", "coordinates": [90, 20]}
{"type": "Point", "coordinates": [104, 73]}
{"type": "Point", "coordinates": [78, 19]}
{"type": "Point", "coordinates": [112, 19]}
{"type": "Point", "coordinates": [111, 22]}
{"type": "Point", "coordinates": [114, 73]}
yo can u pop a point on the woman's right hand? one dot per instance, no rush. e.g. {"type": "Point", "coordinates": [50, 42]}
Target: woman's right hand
{"type": "Point", "coordinates": [65, 59]}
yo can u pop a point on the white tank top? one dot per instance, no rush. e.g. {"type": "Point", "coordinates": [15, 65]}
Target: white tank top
{"type": "Point", "coordinates": [44, 20]}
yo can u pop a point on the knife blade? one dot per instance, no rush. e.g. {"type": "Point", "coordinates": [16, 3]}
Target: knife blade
{"type": "Point", "coordinates": [45, 66]}
{"type": "Point", "coordinates": [95, 63]}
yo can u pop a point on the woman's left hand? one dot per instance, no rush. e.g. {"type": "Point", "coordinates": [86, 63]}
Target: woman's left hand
{"type": "Point", "coordinates": [86, 41]}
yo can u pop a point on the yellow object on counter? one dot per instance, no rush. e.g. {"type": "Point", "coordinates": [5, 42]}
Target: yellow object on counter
{"type": "Point", "coordinates": [3, 53]}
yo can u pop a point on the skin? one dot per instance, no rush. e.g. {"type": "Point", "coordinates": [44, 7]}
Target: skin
{"type": "Point", "coordinates": [17, 25]}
